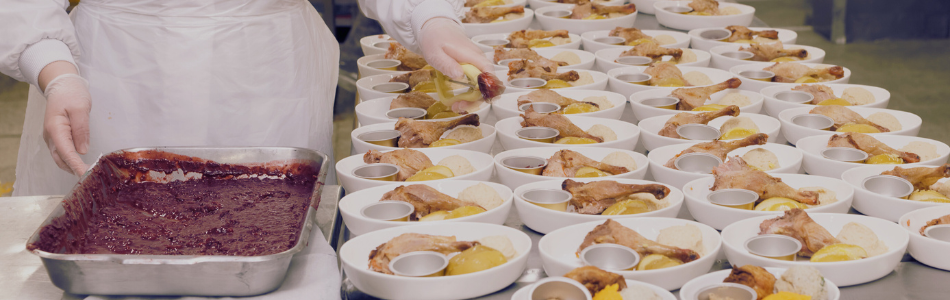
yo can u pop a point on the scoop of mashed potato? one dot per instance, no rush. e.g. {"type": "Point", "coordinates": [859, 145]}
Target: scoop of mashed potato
{"type": "Point", "coordinates": [886, 120]}
{"type": "Point", "coordinates": [927, 151]}
{"type": "Point", "coordinates": [731, 10]}
{"type": "Point", "coordinates": [857, 96]}
{"type": "Point", "coordinates": [762, 159]}
{"type": "Point", "coordinates": [684, 236]}
{"type": "Point", "coordinates": [603, 132]}
{"type": "Point", "coordinates": [735, 98]}
{"type": "Point", "coordinates": [658, 203]}
{"type": "Point", "coordinates": [584, 78]}
{"type": "Point", "coordinates": [664, 39]}
{"type": "Point", "coordinates": [639, 292]}
{"type": "Point", "coordinates": [501, 243]}
{"type": "Point", "coordinates": [464, 133]}
{"type": "Point", "coordinates": [620, 159]}
{"type": "Point", "coordinates": [942, 188]}
{"type": "Point", "coordinates": [697, 78]}
{"type": "Point", "coordinates": [458, 164]}
{"type": "Point", "coordinates": [825, 196]}
{"type": "Point", "coordinates": [738, 122]}
{"type": "Point", "coordinates": [804, 280]}
{"type": "Point", "coordinates": [570, 58]}
{"type": "Point", "coordinates": [560, 40]}
{"type": "Point", "coordinates": [687, 57]}
{"type": "Point", "coordinates": [483, 195]}
{"type": "Point", "coordinates": [601, 101]}
{"type": "Point", "coordinates": [858, 234]}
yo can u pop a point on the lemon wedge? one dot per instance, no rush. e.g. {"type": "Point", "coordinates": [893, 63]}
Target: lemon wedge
{"type": "Point", "coordinates": [806, 79]}
{"type": "Point", "coordinates": [639, 41]}
{"type": "Point", "coordinates": [839, 252]}
{"type": "Point", "coordinates": [709, 107]}
{"type": "Point", "coordinates": [587, 172]}
{"type": "Point", "coordinates": [785, 59]}
{"type": "Point", "coordinates": [884, 159]}
{"type": "Point", "coordinates": [669, 82]}
{"type": "Point", "coordinates": [657, 261]}
{"type": "Point", "coordinates": [464, 211]}
{"type": "Point", "coordinates": [579, 108]}
{"type": "Point", "coordinates": [927, 195]}
{"type": "Point", "coordinates": [835, 101]}
{"type": "Point", "coordinates": [609, 292]}
{"type": "Point", "coordinates": [434, 216]}
{"type": "Point", "coordinates": [627, 207]}
{"type": "Point", "coordinates": [425, 176]}
{"type": "Point", "coordinates": [778, 204]}
{"type": "Point", "coordinates": [445, 142]}
{"type": "Point", "coordinates": [556, 84]}
{"type": "Point", "coordinates": [445, 114]}
{"type": "Point", "coordinates": [594, 17]}
{"type": "Point", "coordinates": [862, 128]}
{"type": "Point", "coordinates": [539, 43]}
{"type": "Point", "coordinates": [738, 133]}
{"type": "Point", "coordinates": [575, 141]}
{"type": "Point", "coordinates": [490, 3]}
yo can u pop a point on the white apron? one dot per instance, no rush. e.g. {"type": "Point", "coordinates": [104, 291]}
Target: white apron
{"type": "Point", "coordinates": [193, 73]}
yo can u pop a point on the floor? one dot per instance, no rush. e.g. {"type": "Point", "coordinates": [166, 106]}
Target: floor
{"type": "Point", "coordinates": [914, 71]}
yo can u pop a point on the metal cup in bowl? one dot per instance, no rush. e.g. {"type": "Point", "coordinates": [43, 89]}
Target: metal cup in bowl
{"type": "Point", "coordinates": [888, 185]}
{"type": "Point", "coordinates": [774, 246]}
{"type": "Point", "coordinates": [386, 138]}
{"type": "Point", "coordinates": [634, 60]}
{"type": "Point", "coordinates": [560, 288]}
{"type": "Point", "coordinates": [661, 102]}
{"type": "Point", "coordinates": [610, 257]}
{"type": "Point", "coordinates": [388, 210]}
{"type": "Point", "coordinates": [540, 107]}
{"type": "Point", "coordinates": [550, 199]}
{"type": "Point", "coordinates": [734, 198]}
{"type": "Point", "coordinates": [698, 132]}
{"type": "Point", "coordinates": [635, 78]}
{"type": "Point", "coordinates": [939, 232]}
{"type": "Point", "coordinates": [378, 171]}
{"type": "Point", "coordinates": [794, 96]}
{"type": "Point", "coordinates": [845, 154]}
{"type": "Point", "coordinates": [741, 55]}
{"type": "Point", "coordinates": [384, 64]}
{"type": "Point", "coordinates": [525, 164]}
{"type": "Point", "coordinates": [612, 40]}
{"type": "Point", "coordinates": [557, 13]}
{"type": "Point", "coordinates": [527, 83]}
{"type": "Point", "coordinates": [760, 75]}
{"type": "Point", "coordinates": [493, 42]}
{"type": "Point", "coordinates": [727, 290]}
{"type": "Point", "coordinates": [696, 162]}
{"type": "Point", "coordinates": [813, 121]}
{"type": "Point", "coordinates": [419, 264]}
{"type": "Point", "coordinates": [384, 45]}
{"type": "Point", "coordinates": [678, 9]}
{"type": "Point", "coordinates": [538, 134]}
{"type": "Point", "coordinates": [504, 62]}
{"type": "Point", "coordinates": [391, 87]}
{"type": "Point", "coordinates": [717, 34]}
{"type": "Point", "coordinates": [406, 112]}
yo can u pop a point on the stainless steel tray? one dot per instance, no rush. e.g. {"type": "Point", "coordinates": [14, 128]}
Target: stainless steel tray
{"type": "Point", "coordinates": [212, 275]}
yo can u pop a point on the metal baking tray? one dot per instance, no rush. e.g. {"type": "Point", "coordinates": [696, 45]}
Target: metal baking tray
{"type": "Point", "coordinates": [194, 275]}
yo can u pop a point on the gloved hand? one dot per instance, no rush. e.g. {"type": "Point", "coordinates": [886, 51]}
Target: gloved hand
{"type": "Point", "coordinates": [66, 124]}
{"type": "Point", "coordinates": [445, 46]}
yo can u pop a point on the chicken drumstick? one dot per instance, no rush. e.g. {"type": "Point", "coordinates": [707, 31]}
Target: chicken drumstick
{"type": "Point", "coordinates": [921, 177]}
{"type": "Point", "coordinates": [737, 174]}
{"type": "Point", "coordinates": [683, 118]}
{"type": "Point", "coordinates": [870, 145]}
{"type": "Point", "coordinates": [691, 98]}
{"type": "Point", "coordinates": [613, 233]}
{"type": "Point", "coordinates": [720, 148]}
{"type": "Point", "coordinates": [594, 197]}
{"type": "Point", "coordinates": [797, 224]}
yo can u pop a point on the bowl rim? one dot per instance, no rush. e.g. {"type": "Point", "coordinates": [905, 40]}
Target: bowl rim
{"type": "Point", "coordinates": [751, 66]}
{"type": "Point", "coordinates": [633, 154]}
{"type": "Point", "coordinates": [516, 195]}
{"type": "Point", "coordinates": [619, 105]}
{"type": "Point", "coordinates": [840, 199]}
{"type": "Point", "coordinates": [433, 184]}
{"type": "Point", "coordinates": [762, 117]}
{"type": "Point", "coordinates": [915, 121]}
{"type": "Point", "coordinates": [461, 152]}
{"type": "Point", "coordinates": [936, 143]}
{"type": "Point", "coordinates": [716, 52]}
{"type": "Point", "coordinates": [654, 164]}
{"type": "Point", "coordinates": [773, 270]}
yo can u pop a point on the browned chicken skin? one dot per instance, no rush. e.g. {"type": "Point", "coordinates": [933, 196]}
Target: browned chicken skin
{"type": "Point", "coordinates": [585, 9]}
{"type": "Point", "coordinates": [662, 70]}
{"type": "Point", "coordinates": [520, 39]}
{"type": "Point", "coordinates": [754, 277]}
{"type": "Point", "coordinates": [797, 224]}
{"type": "Point", "coordinates": [502, 53]}
{"type": "Point", "coordinates": [843, 116]}
{"type": "Point", "coordinates": [937, 221]}
{"type": "Point", "coordinates": [548, 96]}
{"type": "Point", "coordinates": [412, 99]}
{"type": "Point", "coordinates": [683, 118]}
{"type": "Point", "coordinates": [744, 33]}
{"type": "Point", "coordinates": [409, 161]}
{"type": "Point", "coordinates": [791, 71]}
{"type": "Point", "coordinates": [565, 163]}
{"type": "Point", "coordinates": [737, 174]}
{"type": "Point", "coordinates": [921, 177]}
{"type": "Point", "coordinates": [613, 233]}
{"type": "Point", "coordinates": [653, 51]}
{"type": "Point", "coordinates": [630, 34]}
{"type": "Point", "coordinates": [720, 148]}
{"type": "Point", "coordinates": [595, 279]}
{"type": "Point", "coordinates": [486, 14]}
{"type": "Point", "coordinates": [544, 69]}
{"type": "Point", "coordinates": [594, 197]}
{"type": "Point", "coordinates": [691, 98]}
{"type": "Point", "coordinates": [556, 121]}
{"type": "Point", "coordinates": [770, 51]}
{"type": "Point", "coordinates": [414, 78]}
{"type": "Point", "coordinates": [419, 134]}
{"type": "Point", "coordinates": [411, 242]}
{"type": "Point", "coordinates": [705, 6]}
{"type": "Point", "coordinates": [820, 92]}
{"type": "Point", "coordinates": [425, 200]}
{"type": "Point", "coordinates": [409, 61]}
{"type": "Point", "coordinates": [870, 145]}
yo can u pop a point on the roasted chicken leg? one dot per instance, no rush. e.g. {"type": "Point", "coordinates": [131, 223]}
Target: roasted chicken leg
{"type": "Point", "coordinates": [770, 51]}
{"type": "Point", "coordinates": [797, 224]}
{"type": "Point", "coordinates": [520, 39]}
{"type": "Point", "coordinates": [691, 98]}
{"type": "Point", "coordinates": [820, 92]}
{"type": "Point", "coordinates": [584, 9]}
{"type": "Point", "coordinates": [614, 233]}
{"type": "Point", "coordinates": [720, 148]}
{"type": "Point", "coordinates": [409, 61]}
{"type": "Point", "coordinates": [595, 279]}
{"type": "Point", "coordinates": [843, 116]}
{"type": "Point", "coordinates": [411, 242]}
{"type": "Point", "coordinates": [502, 53]}
{"type": "Point", "coordinates": [486, 14]}
{"type": "Point", "coordinates": [683, 118]}
{"type": "Point", "coordinates": [419, 134]}
{"type": "Point", "coordinates": [556, 121]}
{"type": "Point", "coordinates": [737, 174]}
{"type": "Point", "coordinates": [754, 277]}
{"type": "Point", "coordinates": [791, 71]}
{"type": "Point", "coordinates": [412, 99]}
{"type": "Point", "coordinates": [409, 161]}
{"type": "Point", "coordinates": [870, 145]}
{"type": "Point", "coordinates": [548, 96]}
{"type": "Point", "coordinates": [744, 33]}
{"type": "Point", "coordinates": [921, 177]}
{"type": "Point", "coordinates": [653, 51]}
{"type": "Point", "coordinates": [565, 163]}
{"type": "Point", "coordinates": [594, 197]}
{"type": "Point", "coordinates": [630, 34]}
{"type": "Point", "coordinates": [414, 78]}
{"type": "Point", "coordinates": [710, 7]}
{"type": "Point", "coordinates": [937, 221]}
{"type": "Point", "coordinates": [544, 69]}
{"type": "Point", "coordinates": [664, 71]}
{"type": "Point", "coordinates": [425, 199]}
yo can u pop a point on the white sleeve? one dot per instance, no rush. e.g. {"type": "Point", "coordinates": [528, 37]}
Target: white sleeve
{"type": "Point", "coordinates": [35, 33]}
{"type": "Point", "coordinates": [403, 19]}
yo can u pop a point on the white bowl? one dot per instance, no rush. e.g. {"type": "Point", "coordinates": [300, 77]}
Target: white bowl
{"type": "Point", "coordinates": [910, 123]}
{"type": "Point", "coordinates": [775, 106]}
{"type": "Point", "coordinates": [581, 26]}
{"type": "Point", "coordinates": [691, 289]}
{"type": "Point", "coordinates": [877, 205]}
{"type": "Point", "coordinates": [645, 6]}
{"type": "Point", "coordinates": [845, 273]}
{"type": "Point", "coordinates": [690, 22]}
{"type": "Point", "coordinates": [368, 44]}
{"type": "Point", "coordinates": [574, 44]}
{"type": "Point", "coordinates": [627, 133]}
{"type": "Point", "coordinates": [514, 179]}
{"type": "Point", "coordinates": [358, 224]}
{"type": "Point", "coordinates": [651, 138]}
{"type": "Point", "coordinates": [642, 112]}
{"type": "Point", "coordinates": [600, 82]}
{"type": "Point", "coordinates": [682, 39]}
{"type": "Point", "coordinates": [587, 58]}
{"type": "Point", "coordinates": [816, 164]}
{"type": "Point", "coordinates": [481, 161]}
{"type": "Point", "coordinates": [789, 160]}
{"type": "Point", "coordinates": [374, 111]}
{"type": "Point", "coordinates": [483, 145]}
{"type": "Point", "coordinates": [506, 106]}
{"type": "Point", "coordinates": [474, 29]}
{"type": "Point", "coordinates": [522, 293]}
{"type": "Point", "coordinates": [758, 85]}
{"type": "Point", "coordinates": [815, 55]}
{"type": "Point", "coordinates": [354, 255]}
{"type": "Point", "coordinates": [926, 250]}
{"type": "Point", "coordinates": [720, 216]}
{"type": "Point", "coordinates": [370, 71]}
{"type": "Point", "coordinates": [697, 42]}
{"type": "Point", "coordinates": [606, 59]}
{"type": "Point", "coordinates": [626, 88]}
{"type": "Point", "coordinates": [558, 250]}
{"type": "Point", "coordinates": [545, 3]}
{"type": "Point", "coordinates": [366, 92]}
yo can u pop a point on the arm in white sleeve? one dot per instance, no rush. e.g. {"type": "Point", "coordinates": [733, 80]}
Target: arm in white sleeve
{"type": "Point", "coordinates": [35, 33]}
{"type": "Point", "coordinates": [403, 19]}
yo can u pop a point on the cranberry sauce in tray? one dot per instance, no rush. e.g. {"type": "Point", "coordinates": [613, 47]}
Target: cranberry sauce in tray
{"type": "Point", "coordinates": [138, 203]}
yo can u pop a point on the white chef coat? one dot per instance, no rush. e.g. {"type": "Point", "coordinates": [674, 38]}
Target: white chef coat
{"type": "Point", "coordinates": [403, 19]}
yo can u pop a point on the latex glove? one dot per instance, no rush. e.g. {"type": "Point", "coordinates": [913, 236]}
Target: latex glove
{"type": "Point", "coordinates": [66, 124]}
{"type": "Point", "coordinates": [445, 46]}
